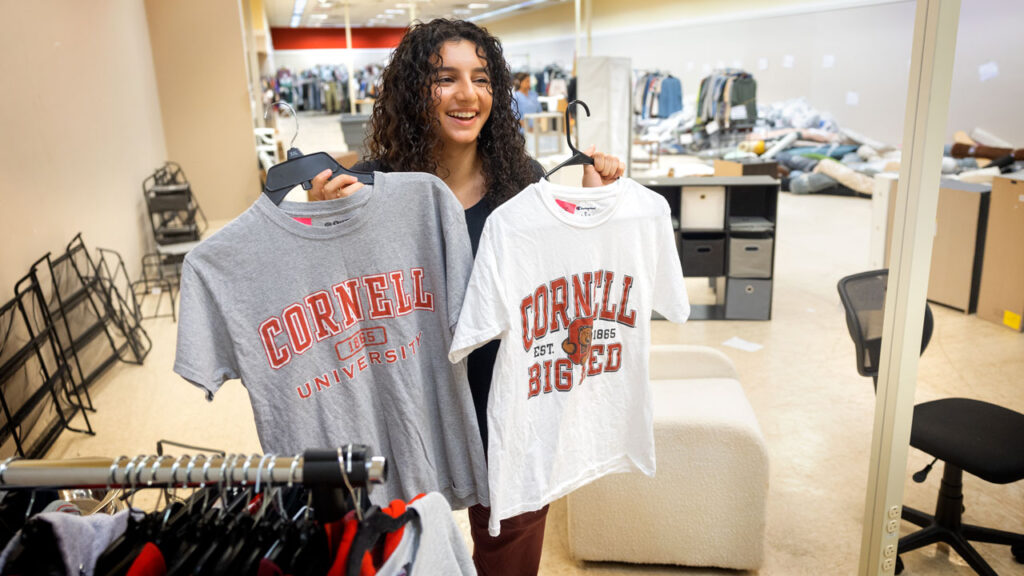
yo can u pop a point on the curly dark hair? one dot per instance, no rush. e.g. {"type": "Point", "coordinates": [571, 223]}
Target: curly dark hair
{"type": "Point", "coordinates": [404, 131]}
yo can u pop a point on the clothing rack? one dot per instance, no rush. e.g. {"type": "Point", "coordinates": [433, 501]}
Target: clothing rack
{"type": "Point", "coordinates": [656, 94]}
{"type": "Point", "coordinates": [350, 466]}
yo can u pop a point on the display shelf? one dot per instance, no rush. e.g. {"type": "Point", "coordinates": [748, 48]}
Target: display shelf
{"type": "Point", "coordinates": [727, 231]}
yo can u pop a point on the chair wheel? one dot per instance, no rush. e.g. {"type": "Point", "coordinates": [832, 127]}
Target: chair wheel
{"type": "Point", "coordinates": [899, 565]}
{"type": "Point", "coordinates": [1018, 553]}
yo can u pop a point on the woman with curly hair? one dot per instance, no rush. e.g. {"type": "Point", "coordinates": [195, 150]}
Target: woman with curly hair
{"type": "Point", "coordinates": [446, 108]}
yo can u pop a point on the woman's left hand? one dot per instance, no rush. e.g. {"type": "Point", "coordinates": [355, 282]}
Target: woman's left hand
{"type": "Point", "coordinates": [606, 169]}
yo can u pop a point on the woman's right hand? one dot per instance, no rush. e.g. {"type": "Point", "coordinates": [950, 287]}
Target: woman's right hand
{"type": "Point", "coordinates": [327, 188]}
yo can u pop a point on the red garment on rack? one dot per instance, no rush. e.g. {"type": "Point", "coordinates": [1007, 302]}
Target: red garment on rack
{"type": "Point", "coordinates": [269, 568]}
{"type": "Point", "coordinates": [149, 562]}
{"type": "Point", "coordinates": [351, 524]}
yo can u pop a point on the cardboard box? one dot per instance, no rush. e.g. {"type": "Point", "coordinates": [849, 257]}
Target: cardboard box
{"type": "Point", "coordinates": [959, 244]}
{"type": "Point", "coordinates": [346, 159]}
{"type": "Point", "coordinates": [751, 167]}
{"type": "Point", "coordinates": [1001, 295]}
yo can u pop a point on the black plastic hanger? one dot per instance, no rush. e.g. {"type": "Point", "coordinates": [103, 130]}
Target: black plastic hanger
{"type": "Point", "coordinates": [375, 525]}
{"type": "Point", "coordinates": [301, 169]}
{"type": "Point", "coordinates": [577, 157]}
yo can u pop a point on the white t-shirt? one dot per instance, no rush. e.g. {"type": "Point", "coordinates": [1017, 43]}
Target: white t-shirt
{"type": "Point", "coordinates": [567, 278]}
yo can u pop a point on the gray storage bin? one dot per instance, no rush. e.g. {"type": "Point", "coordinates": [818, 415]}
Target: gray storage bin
{"type": "Point", "coordinates": [750, 257]}
{"type": "Point", "coordinates": [353, 130]}
{"type": "Point", "coordinates": [748, 299]}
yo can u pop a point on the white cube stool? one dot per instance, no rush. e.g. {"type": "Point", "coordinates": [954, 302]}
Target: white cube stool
{"type": "Point", "coordinates": [706, 504]}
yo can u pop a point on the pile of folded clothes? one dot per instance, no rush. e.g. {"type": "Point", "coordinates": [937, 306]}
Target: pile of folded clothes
{"type": "Point", "coordinates": [815, 155]}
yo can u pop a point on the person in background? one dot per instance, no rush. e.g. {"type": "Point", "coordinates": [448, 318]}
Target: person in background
{"type": "Point", "coordinates": [526, 100]}
{"type": "Point", "coordinates": [445, 107]}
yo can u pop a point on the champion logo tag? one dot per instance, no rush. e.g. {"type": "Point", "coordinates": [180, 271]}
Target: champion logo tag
{"type": "Point", "coordinates": [567, 206]}
{"type": "Point", "coordinates": [306, 221]}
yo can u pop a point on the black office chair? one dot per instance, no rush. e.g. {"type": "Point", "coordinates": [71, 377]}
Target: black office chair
{"type": "Point", "coordinates": [967, 435]}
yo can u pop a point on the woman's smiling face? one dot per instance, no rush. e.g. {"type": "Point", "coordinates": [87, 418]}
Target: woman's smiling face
{"type": "Point", "coordinates": [462, 92]}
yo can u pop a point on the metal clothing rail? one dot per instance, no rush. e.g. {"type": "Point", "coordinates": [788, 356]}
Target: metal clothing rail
{"type": "Point", "coordinates": [350, 466]}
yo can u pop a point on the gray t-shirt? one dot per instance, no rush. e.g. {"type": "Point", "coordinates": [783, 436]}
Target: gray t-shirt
{"type": "Point", "coordinates": [338, 317]}
{"type": "Point", "coordinates": [431, 544]}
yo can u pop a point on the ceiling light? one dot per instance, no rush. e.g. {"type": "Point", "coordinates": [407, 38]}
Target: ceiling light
{"type": "Point", "coordinates": [460, 11]}
{"type": "Point", "coordinates": [403, 5]}
{"type": "Point", "coordinates": [505, 10]}
{"type": "Point", "coordinates": [394, 11]}
{"type": "Point", "coordinates": [319, 16]}
{"type": "Point", "coordinates": [477, 6]}
{"type": "Point", "coordinates": [299, 8]}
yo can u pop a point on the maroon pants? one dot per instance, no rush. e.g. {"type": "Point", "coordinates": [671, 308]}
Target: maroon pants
{"type": "Point", "coordinates": [516, 552]}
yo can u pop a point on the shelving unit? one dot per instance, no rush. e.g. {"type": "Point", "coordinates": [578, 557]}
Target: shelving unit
{"type": "Point", "coordinates": [725, 232]}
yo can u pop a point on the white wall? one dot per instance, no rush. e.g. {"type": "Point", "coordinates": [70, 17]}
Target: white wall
{"type": "Point", "coordinates": [869, 43]}
{"type": "Point", "coordinates": [81, 128]}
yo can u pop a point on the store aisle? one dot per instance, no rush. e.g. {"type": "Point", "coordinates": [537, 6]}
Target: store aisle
{"type": "Point", "coordinates": [815, 411]}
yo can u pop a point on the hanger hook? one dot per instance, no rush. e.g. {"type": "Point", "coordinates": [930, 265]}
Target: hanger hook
{"type": "Point", "coordinates": [206, 471]}
{"type": "Point", "coordinates": [245, 469]}
{"type": "Point", "coordinates": [136, 464]}
{"type": "Point", "coordinates": [295, 117]}
{"type": "Point", "coordinates": [277, 490]}
{"type": "Point", "coordinates": [259, 472]}
{"type": "Point", "coordinates": [172, 483]}
{"type": "Point", "coordinates": [191, 466]}
{"type": "Point", "coordinates": [291, 470]}
{"type": "Point", "coordinates": [156, 468]}
{"type": "Point", "coordinates": [174, 469]}
{"type": "Point", "coordinates": [572, 105]}
{"type": "Point", "coordinates": [267, 494]}
{"type": "Point", "coordinates": [345, 465]}
{"type": "Point", "coordinates": [225, 469]}
{"type": "Point", "coordinates": [113, 470]}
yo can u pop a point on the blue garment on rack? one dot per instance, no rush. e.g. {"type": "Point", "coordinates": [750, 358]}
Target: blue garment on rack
{"type": "Point", "coordinates": [670, 100]}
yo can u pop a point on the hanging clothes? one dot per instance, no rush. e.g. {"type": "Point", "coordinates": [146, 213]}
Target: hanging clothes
{"type": "Point", "coordinates": [224, 529]}
{"type": "Point", "coordinates": [657, 95]}
{"type": "Point", "coordinates": [572, 369]}
{"type": "Point", "coordinates": [727, 97]}
{"type": "Point", "coordinates": [337, 316]}
{"type": "Point", "coordinates": [79, 541]}
{"type": "Point", "coordinates": [670, 99]}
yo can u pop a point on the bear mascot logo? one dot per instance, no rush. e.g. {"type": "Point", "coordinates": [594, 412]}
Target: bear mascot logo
{"type": "Point", "coordinates": [577, 343]}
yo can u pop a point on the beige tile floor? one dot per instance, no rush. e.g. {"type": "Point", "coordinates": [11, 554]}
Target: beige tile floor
{"type": "Point", "coordinates": [815, 411]}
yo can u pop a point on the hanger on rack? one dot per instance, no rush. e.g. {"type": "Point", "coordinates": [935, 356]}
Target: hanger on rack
{"type": "Point", "coordinates": [301, 168]}
{"type": "Point", "coordinates": [371, 530]}
{"type": "Point", "coordinates": [199, 536]}
{"type": "Point", "coordinates": [374, 523]}
{"type": "Point", "coordinates": [577, 157]}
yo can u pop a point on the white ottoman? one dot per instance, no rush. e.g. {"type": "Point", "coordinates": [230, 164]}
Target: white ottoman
{"type": "Point", "coordinates": [706, 504]}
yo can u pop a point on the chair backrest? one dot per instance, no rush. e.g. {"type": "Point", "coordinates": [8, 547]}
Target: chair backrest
{"type": "Point", "coordinates": [863, 297]}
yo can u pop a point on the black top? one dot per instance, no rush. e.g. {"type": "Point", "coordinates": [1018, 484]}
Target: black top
{"type": "Point", "coordinates": [480, 364]}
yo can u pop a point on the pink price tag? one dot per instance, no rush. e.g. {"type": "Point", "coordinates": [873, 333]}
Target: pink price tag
{"type": "Point", "coordinates": [306, 221]}
{"type": "Point", "coordinates": [568, 207]}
